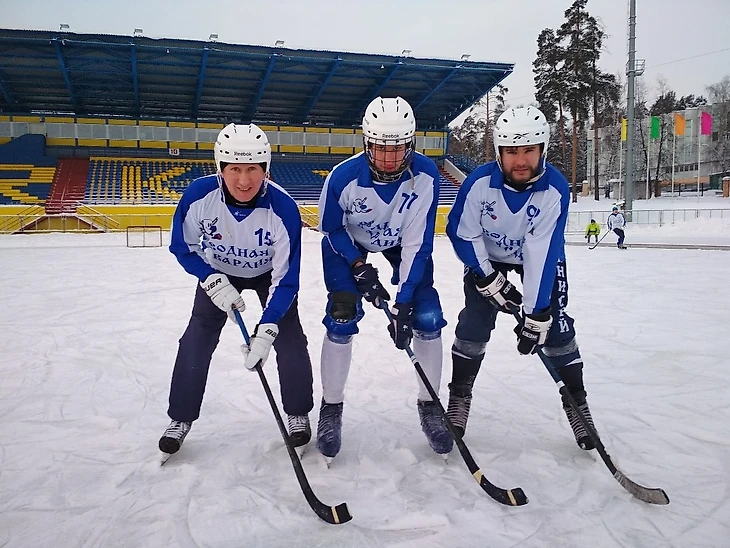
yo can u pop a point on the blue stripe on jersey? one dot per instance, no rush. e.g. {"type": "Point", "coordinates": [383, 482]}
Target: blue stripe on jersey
{"type": "Point", "coordinates": [418, 268]}
{"type": "Point", "coordinates": [556, 251]}
{"type": "Point", "coordinates": [288, 286]}
{"type": "Point", "coordinates": [188, 259]}
{"type": "Point", "coordinates": [332, 217]}
{"type": "Point", "coordinates": [465, 249]}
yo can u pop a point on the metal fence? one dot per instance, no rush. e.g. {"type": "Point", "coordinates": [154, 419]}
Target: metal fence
{"type": "Point", "coordinates": [35, 221]}
{"type": "Point", "coordinates": [578, 220]}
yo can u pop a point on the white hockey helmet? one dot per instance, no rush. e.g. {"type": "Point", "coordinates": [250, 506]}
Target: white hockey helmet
{"type": "Point", "coordinates": [389, 121]}
{"type": "Point", "coordinates": [521, 127]}
{"type": "Point", "coordinates": [242, 144]}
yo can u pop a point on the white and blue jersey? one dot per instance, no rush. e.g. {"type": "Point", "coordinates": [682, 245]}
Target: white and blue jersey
{"type": "Point", "coordinates": [360, 215]}
{"type": "Point", "coordinates": [616, 220]}
{"type": "Point", "coordinates": [492, 222]}
{"type": "Point", "coordinates": [209, 236]}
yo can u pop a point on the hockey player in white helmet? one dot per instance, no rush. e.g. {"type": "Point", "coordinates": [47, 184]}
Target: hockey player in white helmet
{"type": "Point", "coordinates": [237, 230]}
{"type": "Point", "coordinates": [509, 215]}
{"type": "Point", "coordinates": [382, 200]}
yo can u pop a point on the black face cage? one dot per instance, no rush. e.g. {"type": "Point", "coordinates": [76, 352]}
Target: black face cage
{"type": "Point", "coordinates": [389, 176]}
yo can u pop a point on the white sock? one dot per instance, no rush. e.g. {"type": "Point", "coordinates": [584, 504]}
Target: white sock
{"type": "Point", "coordinates": [335, 366]}
{"type": "Point", "coordinates": [430, 355]}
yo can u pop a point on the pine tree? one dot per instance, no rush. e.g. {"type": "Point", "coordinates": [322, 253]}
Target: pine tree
{"type": "Point", "coordinates": [550, 82]}
{"type": "Point", "coordinates": [578, 68]}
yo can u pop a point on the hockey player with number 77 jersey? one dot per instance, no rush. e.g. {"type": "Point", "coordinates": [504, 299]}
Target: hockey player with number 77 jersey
{"type": "Point", "coordinates": [382, 200]}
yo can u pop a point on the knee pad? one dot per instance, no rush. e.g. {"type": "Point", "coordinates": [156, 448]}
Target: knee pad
{"type": "Point", "coordinates": [554, 351]}
{"type": "Point", "coordinates": [430, 320]}
{"type": "Point", "coordinates": [343, 306]}
{"type": "Point", "coordinates": [343, 313]}
{"type": "Point", "coordinates": [468, 349]}
{"type": "Point", "coordinates": [337, 338]}
{"type": "Point", "coordinates": [427, 335]}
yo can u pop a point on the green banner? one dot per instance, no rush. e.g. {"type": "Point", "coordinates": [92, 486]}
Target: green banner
{"type": "Point", "coordinates": [656, 123]}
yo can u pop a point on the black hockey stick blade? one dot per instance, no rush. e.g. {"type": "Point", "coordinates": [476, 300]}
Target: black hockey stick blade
{"type": "Point", "coordinates": [651, 495]}
{"type": "Point", "coordinates": [508, 497]}
{"type": "Point", "coordinates": [331, 514]}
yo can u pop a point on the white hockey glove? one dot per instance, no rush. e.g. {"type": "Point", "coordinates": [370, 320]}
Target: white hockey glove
{"type": "Point", "coordinates": [532, 332]}
{"type": "Point", "coordinates": [222, 293]}
{"type": "Point", "coordinates": [498, 291]}
{"type": "Point", "coordinates": [258, 351]}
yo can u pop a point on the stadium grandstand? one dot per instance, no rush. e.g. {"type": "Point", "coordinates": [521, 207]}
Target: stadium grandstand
{"type": "Point", "coordinates": [110, 130]}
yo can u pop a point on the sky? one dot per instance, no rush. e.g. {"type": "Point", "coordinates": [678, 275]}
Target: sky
{"type": "Point", "coordinates": [87, 351]}
{"type": "Point", "coordinates": [676, 37]}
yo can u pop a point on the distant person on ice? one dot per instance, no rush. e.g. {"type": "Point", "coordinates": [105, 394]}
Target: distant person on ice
{"type": "Point", "coordinates": [593, 229]}
{"type": "Point", "coordinates": [237, 230]}
{"type": "Point", "coordinates": [510, 215]}
{"type": "Point", "coordinates": [616, 222]}
{"type": "Point", "coordinates": [382, 200]}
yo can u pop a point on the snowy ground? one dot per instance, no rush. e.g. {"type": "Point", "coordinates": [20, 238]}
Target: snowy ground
{"type": "Point", "coordinates": [88, 335]}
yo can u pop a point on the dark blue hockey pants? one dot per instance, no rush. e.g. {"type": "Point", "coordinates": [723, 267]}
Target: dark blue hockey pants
{"type": "Point", "coordinates": [478, 318]}
{"type": "Point", "coordinates": [620, 233]}
{"type": "Point", "coordinates": [201, 338]}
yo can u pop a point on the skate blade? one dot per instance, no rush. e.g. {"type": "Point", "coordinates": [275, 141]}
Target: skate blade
{"type": "Point", "coordinates": [327, 460]}
{"type": "Point", "coordinates": [164, 458]}
{"type": "Point", "coordinates": [300, 451]}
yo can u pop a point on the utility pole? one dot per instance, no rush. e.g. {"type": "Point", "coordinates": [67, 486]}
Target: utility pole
{"type": "Point", "coordinates": [630, 120]}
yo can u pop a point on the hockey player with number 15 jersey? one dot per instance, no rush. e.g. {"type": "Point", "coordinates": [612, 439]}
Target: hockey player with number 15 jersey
{"type": "Point", "coordinates": [238, 230]}
{"type": "Point", "coordinates": [510, 215]}
{"type": "Point", "coordinates": [382, 200]}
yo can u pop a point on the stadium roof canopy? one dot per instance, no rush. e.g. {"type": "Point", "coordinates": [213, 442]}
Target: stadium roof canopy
{"type": "Point", "coordinates": [140, 77]}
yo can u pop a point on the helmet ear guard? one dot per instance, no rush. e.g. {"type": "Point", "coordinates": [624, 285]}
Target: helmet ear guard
{"type": "Point", "coordinates": [242, 144]}
{"type": "Point", "coordinates": [389, 122]}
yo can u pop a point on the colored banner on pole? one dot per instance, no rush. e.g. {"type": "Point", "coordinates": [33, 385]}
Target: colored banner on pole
{"type": "Point", "coordinates": [679, 124]}
{"type": "Point", "coordinates": [624, 128]}
{"type": "Point", "coordinates": [706, 123]}
{"type": "Point", "coordinates": [656, 123]}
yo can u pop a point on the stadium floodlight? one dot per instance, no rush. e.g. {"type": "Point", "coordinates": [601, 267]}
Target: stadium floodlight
{"type": "Point", "coordinates": [138, 32]}
{"type": "Point", "coordinates": [405, 52]}
{"type": "Point", "coordinates": [278, 43]}
{"type": "Point", "coordinates": [465, 57]}
{"type": "Point", "coordinates": [63, 27]}
{"type": "Point", "coordinates": [213, 37]}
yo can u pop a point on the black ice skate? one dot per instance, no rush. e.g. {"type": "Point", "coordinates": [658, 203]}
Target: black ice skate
{"type": "Point", "coordinates": [173, 438]}
{"type": "Point", "coordinates": [299, 430]}
{"type": "Point", "coordinates": [329, 430]}
{"type": "Point", "coordinates": [433, 425]}
{"type": "Point", "coordinates": [582, 438]}
{"type": "Point", "coordinates": [459, 405]}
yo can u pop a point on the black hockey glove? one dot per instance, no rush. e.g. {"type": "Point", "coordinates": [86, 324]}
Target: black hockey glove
{"type": "Point", "coordinates": [498, 291]}
{"type": "Point", "coordinates": [368, 284]}
{"type": "Point", "coordinates": [532, 332]}
{"type": "Point", "coordinates": [401, 328]}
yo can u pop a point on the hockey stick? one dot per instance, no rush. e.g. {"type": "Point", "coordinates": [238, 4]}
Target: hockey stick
{"type": "Point", "coordinates": [599, 241]}
{"type": "Point", "coordinates": [652, 495]}
{"type": "Point", "coordinates": [509, 497]}
{"type": "Point", "coordinates": [331, 514]}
